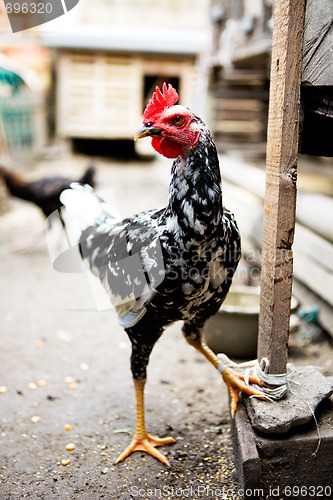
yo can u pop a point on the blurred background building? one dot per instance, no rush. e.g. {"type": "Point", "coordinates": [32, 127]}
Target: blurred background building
{"type": "Point", "coordinates": [85, 78]}
{"type": "Point", "coordinates": [99, 64]}
{"type": "Point", "coordinates": [109, 56]}
{"type": "Point", "coordinates": [242, 38]}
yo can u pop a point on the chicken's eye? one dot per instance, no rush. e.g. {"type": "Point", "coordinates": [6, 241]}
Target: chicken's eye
{"type": "Point", "coordinates": [178, 120]}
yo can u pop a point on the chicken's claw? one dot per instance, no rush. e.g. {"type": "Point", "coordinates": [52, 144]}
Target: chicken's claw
{"type": "Point", "coordinates": [147, 444]}
{"type": "Point", "coordinates": [236, 384]}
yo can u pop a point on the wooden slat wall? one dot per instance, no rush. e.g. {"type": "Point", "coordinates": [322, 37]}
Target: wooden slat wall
{"type": "Point", "coordinates": [98, 95]}
{"type": "Point", "coordinates": [240, 114]}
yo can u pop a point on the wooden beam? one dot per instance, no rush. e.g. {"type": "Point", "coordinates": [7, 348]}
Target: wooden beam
{"type": "Point", "coordinates": [281, 173]}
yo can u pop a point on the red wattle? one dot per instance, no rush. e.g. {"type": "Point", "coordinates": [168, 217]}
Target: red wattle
{"type": "Point", "coordinates": [155, 142]}
{"type": "Point", "coordinates": [167, 148]}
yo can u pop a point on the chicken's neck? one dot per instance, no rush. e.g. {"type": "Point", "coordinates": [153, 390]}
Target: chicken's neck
{"type": "Point", "coordinates": [195, 196]}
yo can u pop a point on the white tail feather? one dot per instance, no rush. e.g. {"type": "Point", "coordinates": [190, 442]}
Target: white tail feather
{"type": "Point", "coordinates": [85, 206]}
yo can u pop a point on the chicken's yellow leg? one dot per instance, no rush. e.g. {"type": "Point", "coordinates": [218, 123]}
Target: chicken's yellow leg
{"type": "Point", "coordinates": [142, 441]}
{"type": "Point", "coordinates": [234, 380]}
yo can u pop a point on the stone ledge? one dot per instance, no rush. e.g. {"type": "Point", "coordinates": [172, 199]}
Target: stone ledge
{"type": "Point", "coordinates": [308, 387]}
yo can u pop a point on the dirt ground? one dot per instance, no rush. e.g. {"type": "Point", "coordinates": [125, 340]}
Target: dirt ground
{"type": "Point", "coordinates": [64, 363]}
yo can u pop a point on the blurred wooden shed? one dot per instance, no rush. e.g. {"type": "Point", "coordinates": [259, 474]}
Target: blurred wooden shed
{"type": "Point", "coordinates": [101, 94]}
{"type": "Point", "coordinates": [112, 57]}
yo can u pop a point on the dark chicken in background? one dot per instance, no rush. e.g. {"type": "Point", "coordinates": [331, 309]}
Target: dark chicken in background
{"type": "Point", "coordinates": [44, 192]}
{"type": "Point", "coordinates": [175, 263]}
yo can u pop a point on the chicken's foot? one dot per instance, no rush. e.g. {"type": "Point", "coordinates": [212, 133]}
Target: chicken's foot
{"type": "Point", "coordinates": [147, 444]}
{"type": "Point", "coordinates": [142, 441]}
{"type": "Point", "coordinates": [234, 380]}
{"type": "Point", "coordinates": [236, 383]}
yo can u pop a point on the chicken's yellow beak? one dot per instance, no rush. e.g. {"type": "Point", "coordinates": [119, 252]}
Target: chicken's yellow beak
{"type": "Point", "coordinates": [146, 131]}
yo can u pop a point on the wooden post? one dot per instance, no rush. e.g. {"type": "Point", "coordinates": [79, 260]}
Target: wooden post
{"type": "Point", "coordinates": [281, 175]}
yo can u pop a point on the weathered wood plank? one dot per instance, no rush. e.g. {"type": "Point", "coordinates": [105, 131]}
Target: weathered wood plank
{"type": "Point", "coordinates": [242, 94]}
{"type": "Point", "coordinates": [281, 172]}
{"type": "Point", "coordinates": [314, 276]}
{"type": "Point", "coordinates": [316, 212]}
{"type": "Point", "coordinates": [308, 298]}
{"type": "Point", "coordinates": [315, 247]}
{"type": "Point", "coordinates": [246, 453]}
{"type": "Point", "coordinates": [239, 126]}
{"type": "Point", "coordinates": [244, 104]}
{"type": "Point", "coordinates": [238, 114]}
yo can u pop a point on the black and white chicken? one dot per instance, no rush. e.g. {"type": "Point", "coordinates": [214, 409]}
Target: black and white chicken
{"type": "Point", "coordinates": [175, 263]}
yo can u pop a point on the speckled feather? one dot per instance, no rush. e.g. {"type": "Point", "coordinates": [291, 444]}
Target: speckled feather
{"type": "Point", "coordinates": [175, 263]}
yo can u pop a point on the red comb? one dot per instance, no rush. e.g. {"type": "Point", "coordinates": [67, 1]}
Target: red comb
{"type": "Point", "coordinates": [160, 101]}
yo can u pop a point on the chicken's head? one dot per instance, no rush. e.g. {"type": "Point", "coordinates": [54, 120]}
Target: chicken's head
{"type": "Point", "coordinates": [173, 128]}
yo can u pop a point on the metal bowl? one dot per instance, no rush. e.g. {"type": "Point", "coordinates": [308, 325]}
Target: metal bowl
{"type": "Point", "coordinates": [234, 329]}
